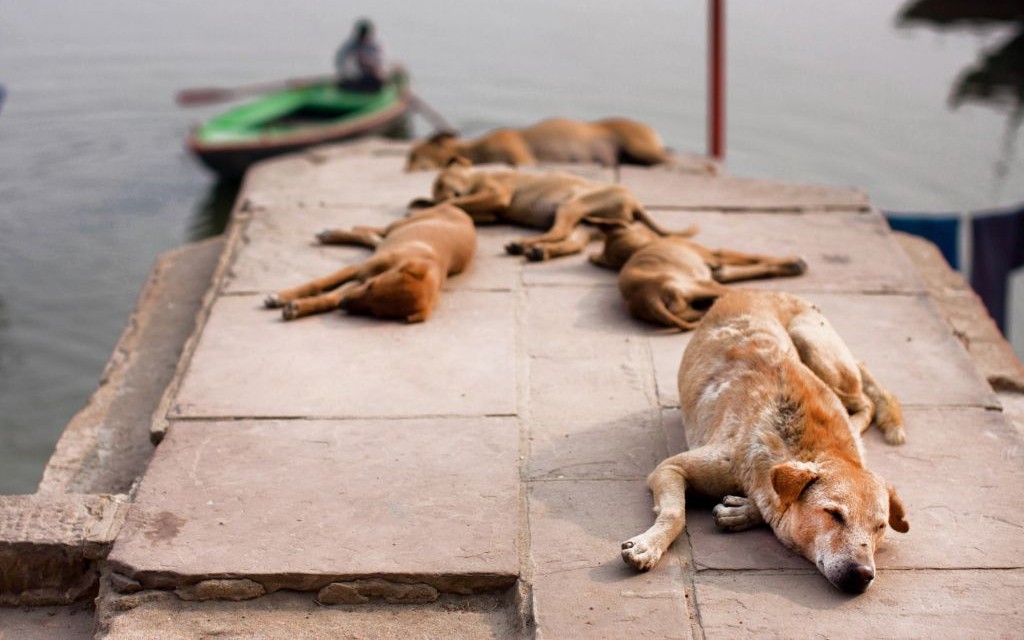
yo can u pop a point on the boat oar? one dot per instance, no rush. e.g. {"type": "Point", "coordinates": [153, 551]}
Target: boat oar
{"type": "Point", "coordinates": [436, 119]}
{"type": "Point", "coordinates": [210, 95]}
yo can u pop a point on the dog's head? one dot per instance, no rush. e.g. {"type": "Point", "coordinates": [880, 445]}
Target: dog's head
{"type": "Point", "coordinates": [454, 181]}
{"type": "Point", "coordinates": [621, 239]}
{"type": "Point", "coordinates": [433, 153]}
{"type": "Point", "coordinates": [835, 515]}
{"type": "Point", "coordinates": [407, 292]}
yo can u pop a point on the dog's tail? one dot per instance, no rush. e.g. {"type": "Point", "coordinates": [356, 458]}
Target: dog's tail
{"type": "Point", "coordinates": [641, 214]}
{"type": "Point", "coordinates": [659, 312]}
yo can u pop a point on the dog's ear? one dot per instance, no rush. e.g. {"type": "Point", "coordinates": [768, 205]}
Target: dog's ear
{"type": "Point", "coordinates": [897, 514]}
{"type": "Point", "coordinates": [416, 270]}
{"type": "Point", "coordinates": [442, 136]}
{"type": "Point", "coordinates": [789, 479]}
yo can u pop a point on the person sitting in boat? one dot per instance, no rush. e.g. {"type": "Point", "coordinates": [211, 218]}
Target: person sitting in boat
{"type": "Point", "coordinates": [359, 61]}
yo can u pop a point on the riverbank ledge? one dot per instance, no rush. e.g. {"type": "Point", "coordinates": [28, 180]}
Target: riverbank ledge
{"type": "Point", "coordinates": [473, 476]}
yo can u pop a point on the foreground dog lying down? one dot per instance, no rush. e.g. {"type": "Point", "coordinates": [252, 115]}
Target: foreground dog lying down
{"type": "Point", "coordinates": [557, 202]}
{"type": "Point", "coordinates": [672, 280]}
{"type": "Point", "coordinates": [607, 142]}
{"type": "Point", "coordinates": [402, 279]}
{"type": "Point", "coordinates": [774, 405]}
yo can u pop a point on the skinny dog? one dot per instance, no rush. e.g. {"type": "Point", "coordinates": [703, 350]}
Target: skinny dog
{"type": "Point", "coordinates": [412, 259]}
{"type": "Point", "coordinates": [774, 405]}
{"type": "Point", "coordinates": [674, 281]}
{"type": "Point", "coordinates": [607, 142]}
{"type": "Point", "coordinates": [557, 202]}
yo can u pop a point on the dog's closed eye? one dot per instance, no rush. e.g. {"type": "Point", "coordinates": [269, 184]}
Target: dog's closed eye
{"type": "Point", "coordinates": [836, 514]}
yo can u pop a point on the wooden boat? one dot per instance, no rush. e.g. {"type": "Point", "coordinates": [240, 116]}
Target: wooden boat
{"type": "Point", "coordinates": [296, 118]}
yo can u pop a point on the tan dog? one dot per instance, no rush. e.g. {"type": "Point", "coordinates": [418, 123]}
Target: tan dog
{"type": "Point", "coordinates": [774, 405]}
{"type": "Point", "coordinates": [557, 202]}
{"type": "Point", "coordinates": [412, 259]}
{"type": "Point", "coordinates": [674, 281]}
{"type": "Point", "coordinates": [607, 142]}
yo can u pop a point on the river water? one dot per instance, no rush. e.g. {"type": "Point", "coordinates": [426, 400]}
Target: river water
{"type": "Point", "coordinates": [95, 182]}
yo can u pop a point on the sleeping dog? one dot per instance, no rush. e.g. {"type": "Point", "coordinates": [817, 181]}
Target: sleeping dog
{"type": "Point", "coordinates": [402, 279]}
{"type": "Point", "coordinates": [607, 142]}
{"type": "Point", "coordinates": [672, 280]}
{"type": "Point", "coordinates": [557, 202]}
{"type": "Point", "coordinates": [774, 405]}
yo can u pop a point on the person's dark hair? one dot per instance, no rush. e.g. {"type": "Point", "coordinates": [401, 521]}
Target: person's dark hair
{"type": "Point", "coordinates": [363, 28]}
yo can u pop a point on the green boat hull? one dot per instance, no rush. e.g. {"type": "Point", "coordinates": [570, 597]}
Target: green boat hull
{"type": "Point", "coordinates": [292, 120]}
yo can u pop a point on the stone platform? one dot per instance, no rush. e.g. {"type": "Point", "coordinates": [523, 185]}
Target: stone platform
{"type": "Point", "coordinates": [473, 476]}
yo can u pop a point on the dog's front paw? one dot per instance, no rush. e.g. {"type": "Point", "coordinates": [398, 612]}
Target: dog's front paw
{"type": "Point", "coordinates": [637, 553]}
{"type": "Point", "coordinates": [324, 237]}
{"type": "Point", "coordinates": [894, 435]}
{"type": "Point", "coordinates": [737, 513]}
{"type": "Point", "coordinates": [290, 311]}
{"type": "Point", "coordinates": [272, 301]}
{"type": "Point", "coordinates": [515, 248]}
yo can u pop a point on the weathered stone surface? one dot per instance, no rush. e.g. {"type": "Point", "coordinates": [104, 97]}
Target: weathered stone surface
{"type": "Point", "coordinates": [363, 591]}
{"type": "Point", "coordinates": [50, 545]}
{"type": "Point", "coordinates": [564, 323]}
{"type": "Point", "coordinates": [105, 447]}
{"type": "Point", "coordinates": [300, 504]}
{"type": "Point", "coordinates": [581, 587]}
{"type": "Point", "coordinates": [903, 604]}
{"type": "Point", "coordinates": [286, 616]}
{"type": "Point", "coordinates": [903, 341]}
{"type": "Point", "coordinates": [250, 363]}
{"type": "Point", "coordinates": [72, 622]}
{"type": "Point", "coordinates": [667, 187]}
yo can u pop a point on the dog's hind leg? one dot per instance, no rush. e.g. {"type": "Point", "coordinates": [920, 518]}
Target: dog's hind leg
{"type": "Point", "coordinates": [360, 236]}
{"type": "Point", "coordinates": [312, 288]}
{"type": "Point", "coordinates": [316, 304]}
{"type": "Point", "coordinates": [704, 470]}
{"type": "Point", "coordinates": [825, 354]}
{"type": "Point", "coordinates": [734, 267]}
{"type": "Point", "coordinates": [888, 413]}
{"type": "Point", "coordinates": [577, 241]}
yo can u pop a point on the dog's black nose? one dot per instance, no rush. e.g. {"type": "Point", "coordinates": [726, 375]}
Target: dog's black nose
{"type": "Point", "coordinates": [857, 578]}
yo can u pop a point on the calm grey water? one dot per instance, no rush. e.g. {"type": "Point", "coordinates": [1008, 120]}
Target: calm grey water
{"type": "Point", "coordinates": [94, 180]}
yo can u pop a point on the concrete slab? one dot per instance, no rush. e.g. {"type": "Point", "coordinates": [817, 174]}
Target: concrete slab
{"type": "Point", "coordinates": [334, 365]}
{"type": "Point", "coordinates": [300, 504]}
{"type": "Point", "coordinates": [661, 187]}
{"type": "Point", "coordinates": [344, 178]}
{"type": "Point", "coordinates": [908, 347]}
{"type": "Point", "coordinates": [959, 518]}
{"type": "Point", "coordinates": [579, 322]}
{"type": "Point", "coordinates": [581, 587]}
{"type": "Point", "coordinates": [903, 604]}
{"type": "Point", "coordinates": [286, 616]}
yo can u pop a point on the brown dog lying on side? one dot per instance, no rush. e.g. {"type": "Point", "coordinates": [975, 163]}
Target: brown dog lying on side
{"type": "Point", "coordinates": [607, 142]}
{"type": "Point", "coordinates": [557, 202]}
{"type": "Point", "coordinates": [412, 259]}
{"type": "Point", "coordinates": [672, 280]}
{"type": "Point", "coordinates": [774, 405]}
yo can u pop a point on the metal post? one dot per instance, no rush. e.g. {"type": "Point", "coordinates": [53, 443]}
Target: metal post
{"type": "Point", "coordinates": [716, 79]}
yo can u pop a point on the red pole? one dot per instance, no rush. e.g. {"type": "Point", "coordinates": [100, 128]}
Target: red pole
{"type": "Point", "coordinates": [716, 79]}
